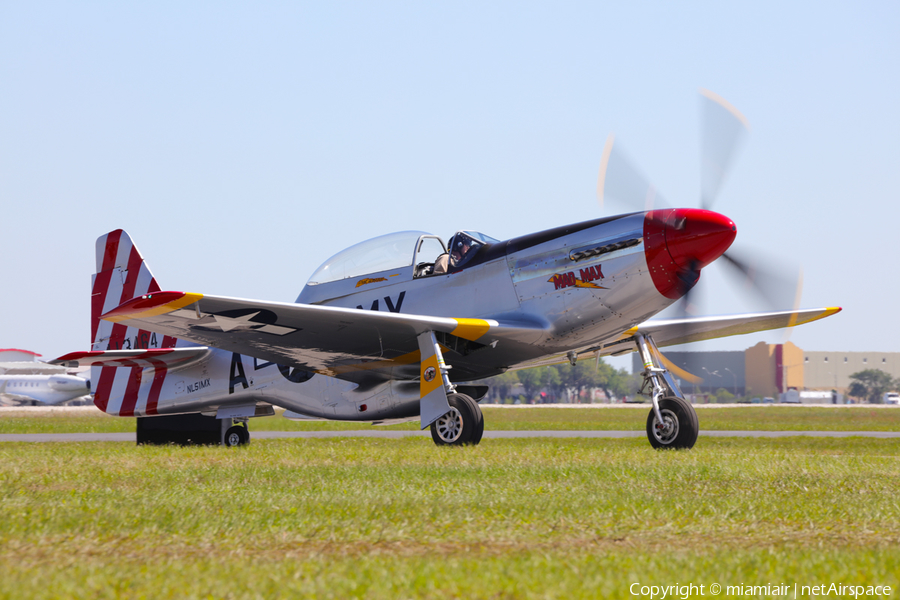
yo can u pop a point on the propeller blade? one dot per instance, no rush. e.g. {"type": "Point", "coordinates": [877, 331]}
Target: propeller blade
{"type": "Point", "coordinates": [678, 371]}
{"type": "Point", "coordinates": [687, 307]}
{"type": "Point", "coordinates": [723, 130]}
{"type": "Point", "coordinates": [779, 289]}
{"type": "Point", "coordinates": [620, 180]}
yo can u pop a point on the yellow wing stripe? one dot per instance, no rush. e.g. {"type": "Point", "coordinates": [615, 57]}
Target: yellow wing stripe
{"type": "Point", "coordinates": [826, 313]}
{"type": "Point", "coordinates": [470, 329]}
{"type": "Point", "coordinates": [630, 332]}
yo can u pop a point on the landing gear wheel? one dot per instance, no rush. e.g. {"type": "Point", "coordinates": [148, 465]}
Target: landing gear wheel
{"type": "Point", "coordinates": [478, 430]}
{"type": "Point", "coordinates": [679, 428]}
{"type": "Point", "coordinates": [237, 436]}
{"type": "Point", "coordinates": [464, 424]}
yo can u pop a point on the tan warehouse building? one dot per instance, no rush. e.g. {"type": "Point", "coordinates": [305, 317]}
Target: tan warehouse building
{"type": "Point", "coordinates": [769, 369]}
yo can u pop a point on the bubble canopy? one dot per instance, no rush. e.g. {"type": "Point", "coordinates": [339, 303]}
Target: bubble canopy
{"type": "Point", "coordinates": [391, 251]}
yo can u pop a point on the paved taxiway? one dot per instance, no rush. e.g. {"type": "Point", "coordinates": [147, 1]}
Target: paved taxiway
{"type": "Point", "coordinates": [268, 435]}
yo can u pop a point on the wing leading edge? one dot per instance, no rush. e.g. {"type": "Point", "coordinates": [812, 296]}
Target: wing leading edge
{"type": "Point", "coordinates": [352, 344]}
{"type": "Point", "coordinates": [671, 332]}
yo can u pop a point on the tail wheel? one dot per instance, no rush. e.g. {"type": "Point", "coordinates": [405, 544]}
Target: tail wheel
{"type": "Point", "coordinates": [464, 424]}
{"type": "Point", "coordinates": [679, 428]}
{"type": "Point", "coordinates": [237, 436]}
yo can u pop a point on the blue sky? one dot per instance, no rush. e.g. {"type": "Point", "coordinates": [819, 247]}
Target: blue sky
{"type": "Point", "coordinates": [241, 144]}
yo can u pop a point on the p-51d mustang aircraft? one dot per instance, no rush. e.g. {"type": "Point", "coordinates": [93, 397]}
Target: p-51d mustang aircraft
{"type": "Point", "coordinates": [374, 333]}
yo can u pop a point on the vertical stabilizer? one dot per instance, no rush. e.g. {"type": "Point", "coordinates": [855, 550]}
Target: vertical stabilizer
{"type": "Point", "coordinates": [122, 275]}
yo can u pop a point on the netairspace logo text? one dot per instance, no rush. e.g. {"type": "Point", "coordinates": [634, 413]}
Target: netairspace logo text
{"type": "Point", "coordinates": [775, 590]}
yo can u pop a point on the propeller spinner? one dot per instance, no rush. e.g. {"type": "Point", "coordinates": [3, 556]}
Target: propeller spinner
{"type": "Point", "coordinates": [680, 242]}
{"type": "Point", "coordinates": [724, 129]}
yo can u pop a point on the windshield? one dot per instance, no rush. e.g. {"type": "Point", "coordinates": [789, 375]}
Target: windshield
{"type": "Point", "coordinates": [481, 237]}
{"type": "Point", "coordinates": [391, 251]}
{"type": "Point", "coordinates": [464, 245]}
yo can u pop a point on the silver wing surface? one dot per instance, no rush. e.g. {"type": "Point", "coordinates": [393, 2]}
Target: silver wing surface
{"type": "Point", "coordinates": [672, 332]}
{"type": "Point", "coordinates": [352, 344]}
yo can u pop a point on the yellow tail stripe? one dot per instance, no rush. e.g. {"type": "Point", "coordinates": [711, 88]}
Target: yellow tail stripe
{"type": "Point", "coordinates": [157, 310]}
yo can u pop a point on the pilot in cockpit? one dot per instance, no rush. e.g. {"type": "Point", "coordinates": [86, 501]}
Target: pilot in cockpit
{"type": "Point", "coordinates": [460, 247]}
{"type": "Point", "coordinates": [440, 264]}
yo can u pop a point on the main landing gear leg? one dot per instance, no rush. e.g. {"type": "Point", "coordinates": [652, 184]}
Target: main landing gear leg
{"type": "Point", "coordinates": [455, 418]}
{"type": "Point", "coordinates": [672, 423]}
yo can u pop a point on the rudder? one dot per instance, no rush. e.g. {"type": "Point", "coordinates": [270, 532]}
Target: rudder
{"type": "Point", "coordinates": [121, 274]}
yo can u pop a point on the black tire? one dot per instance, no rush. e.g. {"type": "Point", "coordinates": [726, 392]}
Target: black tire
{"type": "Point", "coordinates": [682, 425]}
{"type": "Point", "coordinates": [245, 434]}
{"type": "Point", "coordinates": [478, 430]}
{"type": "Point", "coordinates": [235, 436]}
{"type": "Point", "coordinates": [457, 427]}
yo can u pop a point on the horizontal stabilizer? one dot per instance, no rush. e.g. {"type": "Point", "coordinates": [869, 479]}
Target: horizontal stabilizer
{"type": "Point", "coordinates": [170, 358]}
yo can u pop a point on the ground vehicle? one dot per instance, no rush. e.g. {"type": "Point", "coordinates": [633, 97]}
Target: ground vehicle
{"type": "Point", "coordinates": [789, 397]}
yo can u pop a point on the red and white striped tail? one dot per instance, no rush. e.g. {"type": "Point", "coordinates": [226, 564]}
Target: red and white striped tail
{"type": "Point", "coordinates": [122, 275]}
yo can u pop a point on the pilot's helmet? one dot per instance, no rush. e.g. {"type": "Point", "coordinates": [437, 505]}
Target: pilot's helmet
{"type": "Point", "coordinates": [461, 246]}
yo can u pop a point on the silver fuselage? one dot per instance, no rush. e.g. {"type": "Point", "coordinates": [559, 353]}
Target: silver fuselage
{"type": "Point", "coordinates": [573, 305]}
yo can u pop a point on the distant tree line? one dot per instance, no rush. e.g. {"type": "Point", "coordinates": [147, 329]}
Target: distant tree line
{"type": "Point", "coordinates": [563, 383]}
{"type": "Point", "coordinates": [871, 385]}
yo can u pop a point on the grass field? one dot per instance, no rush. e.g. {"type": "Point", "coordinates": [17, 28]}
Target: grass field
{"type": "Point", "coordinates": [374, 518]}
{"type": "Point", "coordinates": [620, 417]}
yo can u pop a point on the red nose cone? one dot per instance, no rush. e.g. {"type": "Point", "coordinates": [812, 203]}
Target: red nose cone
{"type": "Point", "coordinates": [679, 242]}
{"type": "Point", "coordinates": [696, 237]}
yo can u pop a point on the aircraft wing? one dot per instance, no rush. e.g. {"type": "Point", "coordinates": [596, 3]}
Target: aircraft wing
{"type": "Point", "coordinates": [7, 399]}
{"type": "Point", "coordinates": [352, 344]}
{"type": "Point", "coordinates": [671, 332]}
